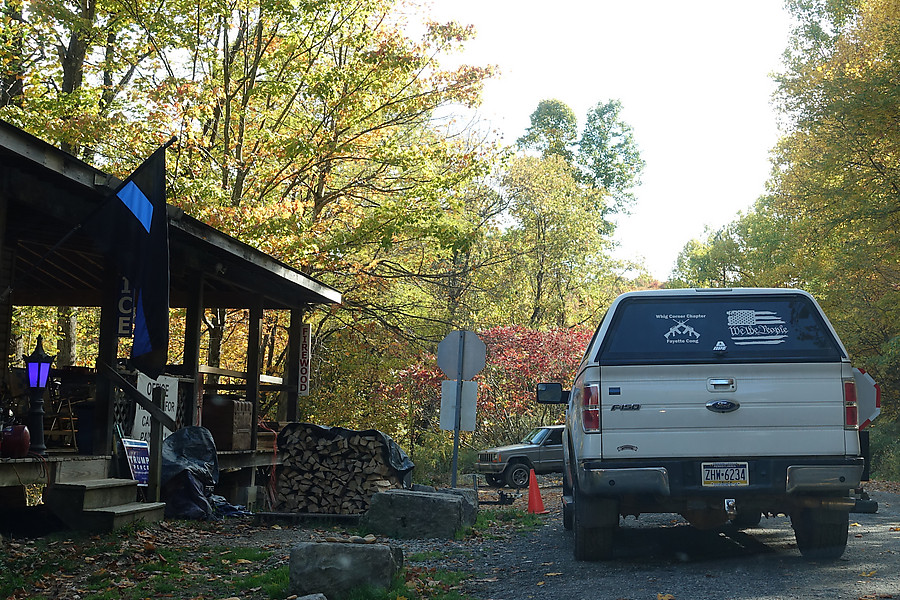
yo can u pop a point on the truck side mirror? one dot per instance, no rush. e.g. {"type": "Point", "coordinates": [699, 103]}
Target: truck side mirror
{"type": "Point", "coordinates": [552, 393]}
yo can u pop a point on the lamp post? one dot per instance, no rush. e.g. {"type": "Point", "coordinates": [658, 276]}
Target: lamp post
{"type": "Point", "coordinates": [38, 367]}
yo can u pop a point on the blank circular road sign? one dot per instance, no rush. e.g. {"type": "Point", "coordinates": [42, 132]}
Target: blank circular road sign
{"type": "Point", "coordinates": [467, 365]}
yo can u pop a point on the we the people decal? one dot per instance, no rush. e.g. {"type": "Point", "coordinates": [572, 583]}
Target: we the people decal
{"type": "Point", "coordinates": [756, 327]}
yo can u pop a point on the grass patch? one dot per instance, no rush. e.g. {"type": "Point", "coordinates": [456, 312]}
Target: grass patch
{"type": "Point", "coordinates": [425, 556]}
{"type": "Point", "coordinates": [509, 519]}
{"type": "Point", "coordinates": [167, 560]}
{"type": "Point", "coordinates": [129, 565]}
{"type": "Point", "coordinates": [416, 584]}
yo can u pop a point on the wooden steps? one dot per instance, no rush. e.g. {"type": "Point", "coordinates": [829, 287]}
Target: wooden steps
{"type": "Point", "coordinates": [100, 505]}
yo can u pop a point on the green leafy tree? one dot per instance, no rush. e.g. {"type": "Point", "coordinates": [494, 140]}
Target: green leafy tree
{"type": "Point", "coordinates": [829, 222]}
{"type": "Point", "coordinates": [837, 172]}
{"type": "Point", "coordinates": [608, 154]}
{"type": "Point", "coordinates": [551, 279]}
{"type": "Point", "coordinates": [754, 250]}
{"type": "Point", "coordinates": [553, 130]}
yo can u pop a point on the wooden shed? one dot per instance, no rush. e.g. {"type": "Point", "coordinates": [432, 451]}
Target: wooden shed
{"type": "Point", "coordinates": [44, 193]}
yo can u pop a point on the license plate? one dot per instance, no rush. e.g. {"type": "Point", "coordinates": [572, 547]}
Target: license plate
{"type": "Point", "coordinates": [725, 474]}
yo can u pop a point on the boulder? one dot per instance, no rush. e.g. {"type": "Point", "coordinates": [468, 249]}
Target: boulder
{"type": "Point", "coordinates": [470, 503]}
{"type": "Point", "coordinates": [334, 569]}
{"type": "Point", "coordinates": [411, 514]}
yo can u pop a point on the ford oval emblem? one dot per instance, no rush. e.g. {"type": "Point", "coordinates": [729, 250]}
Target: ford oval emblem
{"type": "Point", "coordinates": [722, 406]}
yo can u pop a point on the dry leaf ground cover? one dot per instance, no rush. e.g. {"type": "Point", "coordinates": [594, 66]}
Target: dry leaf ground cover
{"type": "Point", "coordinates": [245, 558]}
{"type": "Point", "coordinates": [233, 558]}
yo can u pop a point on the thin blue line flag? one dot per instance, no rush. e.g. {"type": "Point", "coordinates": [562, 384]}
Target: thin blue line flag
{"type": "Point", "coordinates": [134, 231]}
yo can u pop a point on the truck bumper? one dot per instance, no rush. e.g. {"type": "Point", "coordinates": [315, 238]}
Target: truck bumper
{"type": "Point", "coordinates": [490, 468]}
{"type": "Point", "coordinates": [770, 476]}
{"type": "Point", "coordinates": [812, 478]}
{"type": "Point", "coordinates": [614, 482]}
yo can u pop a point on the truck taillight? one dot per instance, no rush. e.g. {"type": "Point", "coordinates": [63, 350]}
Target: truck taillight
{"type": "Point", "coordinates": [851, 414]}
{"type": "Point", "coordinates": [590, 408]}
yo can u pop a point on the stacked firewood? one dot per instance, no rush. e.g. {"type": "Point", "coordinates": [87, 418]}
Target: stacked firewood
{"type": "Point", "coordinates": [324, 472]}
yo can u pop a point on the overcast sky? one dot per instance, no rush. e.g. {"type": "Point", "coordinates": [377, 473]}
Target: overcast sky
{"type": "Point", "coordinates": [694, 81]}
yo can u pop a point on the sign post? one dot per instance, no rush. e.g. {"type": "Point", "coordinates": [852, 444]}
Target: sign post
{"type": "Point", "coordinates": [460, 356]}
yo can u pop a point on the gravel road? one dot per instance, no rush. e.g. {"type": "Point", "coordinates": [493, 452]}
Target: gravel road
{"type": "Point", "coordinates": [662, 557]}
{"type": "Point", "coordinates": [657, 557]}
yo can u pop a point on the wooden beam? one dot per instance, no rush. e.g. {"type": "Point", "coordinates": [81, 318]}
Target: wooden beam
{"type": "Point", "coordinates": [207, 370]}
{"type": "Point", "coordinates": [132, 392]}
{"type": "Point", "coordinates": [254, 365]}
{"type": "Point", "coordinates": [191, 361]}
{"type": "Point", "coordinates": [108, 345]}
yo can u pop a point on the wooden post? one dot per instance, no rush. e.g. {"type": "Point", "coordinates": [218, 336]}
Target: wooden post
{"type": "Point", "coordinates": [191, 363]}
{"type": "Point", "coordinates": [254, 362]}
{"type": "Point", "coordinates": [154, 482]}
{"type": "Point", "coordinates": [108, 348]}
{"type": "Point", "coordinates": [6, 268]}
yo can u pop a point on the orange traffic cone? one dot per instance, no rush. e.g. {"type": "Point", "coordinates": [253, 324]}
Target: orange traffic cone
{"type": "Point", "coordinates": [535, 504]}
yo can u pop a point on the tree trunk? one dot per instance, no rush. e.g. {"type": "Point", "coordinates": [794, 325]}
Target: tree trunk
{"type": "Point", "coordinates": [66, 330]}
{"type": "Point", "coordinates": [216, 329]}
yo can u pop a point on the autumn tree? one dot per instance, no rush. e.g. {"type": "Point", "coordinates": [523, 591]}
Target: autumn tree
{"type": "Point", "coordinates": [830, 222]}
{"type": "Point", "coordinates": [550, 278]}
{"type": "Point", "coordinates": [837, 171]}
{"type": "Point", "coordinates": [517, 359]}
{"type": "Point", "coordinates": [608, 154]}
{"type": "Point", "coordinates": [553, 130]}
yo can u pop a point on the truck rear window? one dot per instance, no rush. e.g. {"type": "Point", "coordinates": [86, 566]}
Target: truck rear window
{"type": "Point", "coordinates": [674, 330]}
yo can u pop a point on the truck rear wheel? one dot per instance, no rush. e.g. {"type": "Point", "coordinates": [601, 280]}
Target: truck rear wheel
{"type": "Point", "coordinates": [593, 543]}
{"type": "Point", "coordinates": [821, 533]}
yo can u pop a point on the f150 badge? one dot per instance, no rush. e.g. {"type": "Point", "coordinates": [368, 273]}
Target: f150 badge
{"type": "Point", "coordinates": [625, 407]}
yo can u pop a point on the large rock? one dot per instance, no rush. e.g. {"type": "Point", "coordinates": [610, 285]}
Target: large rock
{"type": "Point", "coordinates": [413, 514]}
{"type": "Point", "coordinates": [470, 503]}
{"type": "Point", "coordinates": [334, 569]}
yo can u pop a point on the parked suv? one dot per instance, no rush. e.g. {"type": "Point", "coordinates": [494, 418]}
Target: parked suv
{"type": "Point", "coordinates": [715, 404]}
{"type": "Point", "coordinates": [540, 450]}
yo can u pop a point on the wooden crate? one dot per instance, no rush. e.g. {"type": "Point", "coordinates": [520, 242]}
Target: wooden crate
{"type": "Point", "coordinates": [228, 420]}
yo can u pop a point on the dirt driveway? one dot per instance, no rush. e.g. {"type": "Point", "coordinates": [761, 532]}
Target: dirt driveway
{"type": "Point", "coordinates": [662, 557]}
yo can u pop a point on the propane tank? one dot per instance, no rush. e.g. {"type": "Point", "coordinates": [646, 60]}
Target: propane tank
{"type": "Point", "coordinates": [16, 441]}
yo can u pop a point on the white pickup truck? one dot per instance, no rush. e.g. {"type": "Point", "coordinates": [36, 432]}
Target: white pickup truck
{"type": "Point", "coordinates": [715, 404]}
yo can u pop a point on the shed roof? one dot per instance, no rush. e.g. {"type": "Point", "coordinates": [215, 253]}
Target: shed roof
{"type": "Point", "coordinates": [45, 192]}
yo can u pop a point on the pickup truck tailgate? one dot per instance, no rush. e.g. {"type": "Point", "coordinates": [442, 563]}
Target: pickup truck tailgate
{"type": "Point", "coordinates": [719, 411]}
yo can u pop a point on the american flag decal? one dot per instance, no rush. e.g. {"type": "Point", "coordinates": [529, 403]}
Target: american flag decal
{"type": "Point", "coordinates": [753, 317]}
{"type": "Point", "coordinates": [756, 327]}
